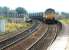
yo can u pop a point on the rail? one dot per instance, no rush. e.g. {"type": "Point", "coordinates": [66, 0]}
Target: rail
{"type": "Point", "coordinates": [47, 38]}
{"type": "Point", "coordinates": [21, 36]}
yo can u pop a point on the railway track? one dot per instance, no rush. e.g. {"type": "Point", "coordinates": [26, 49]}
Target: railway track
{"type": "Point", "coordinates": [7, 42]}
{"type": "Point", "coordinates": [40, 39]}
{"type": "Point", "coordinates": [47, 39]}
{"type": "Point", "coordinates": [29, 41]}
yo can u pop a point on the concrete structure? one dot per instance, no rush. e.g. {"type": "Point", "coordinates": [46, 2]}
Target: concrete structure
{"type": "Point", "coordinates": [2, 25]}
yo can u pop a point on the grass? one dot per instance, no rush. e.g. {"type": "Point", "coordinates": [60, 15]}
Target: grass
{"type": "Point", "coordinates": [64, 21]}
{"type": "Point", "coordinates": [16, 26]}
{"type": "Point", "coordinates": [12, 27]}
{"type": "Point", "coordinates": [4, 17]}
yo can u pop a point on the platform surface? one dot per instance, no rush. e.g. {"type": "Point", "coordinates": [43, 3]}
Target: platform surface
{"type": "Point", "coordinates": [62, 40]}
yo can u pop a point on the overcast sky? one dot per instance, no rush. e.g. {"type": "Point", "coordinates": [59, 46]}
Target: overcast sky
{"type": "Point", "coordinates": [37, 5]}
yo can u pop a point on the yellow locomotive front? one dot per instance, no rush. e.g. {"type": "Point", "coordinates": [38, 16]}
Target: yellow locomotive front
{"type": "Point", "coordinates": [49, 16]}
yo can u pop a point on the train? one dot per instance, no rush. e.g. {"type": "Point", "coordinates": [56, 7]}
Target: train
{"type": "Point", "coordinates": [48, 17]}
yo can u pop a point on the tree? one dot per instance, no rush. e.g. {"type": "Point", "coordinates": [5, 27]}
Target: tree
{"type": "Point", "coordinates": [0, 11]}
{"type": "Point", "coordinates": [5, 11]}
{"type": "Point", "coordinates": [21, 10]}
{"type": "Point", "coordinates": [66, 15]}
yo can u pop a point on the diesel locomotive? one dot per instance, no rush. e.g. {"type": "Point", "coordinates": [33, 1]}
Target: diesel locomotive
{"type": "Point", "coordinates": [49, 16]}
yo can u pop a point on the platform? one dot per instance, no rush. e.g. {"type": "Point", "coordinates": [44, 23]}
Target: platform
{"type": "Point", "coordinates": [62, 40]}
